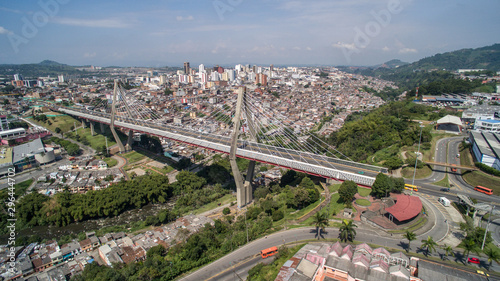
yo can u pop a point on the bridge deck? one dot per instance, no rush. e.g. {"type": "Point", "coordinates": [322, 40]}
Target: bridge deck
{"type": "Point", "coordinates": [318, 165]}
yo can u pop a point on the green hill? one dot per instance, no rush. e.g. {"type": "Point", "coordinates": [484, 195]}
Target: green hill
{"type": "Point", "coordinates": [34, 70]}
{"type": "Point", "coordinates": [436, 68]}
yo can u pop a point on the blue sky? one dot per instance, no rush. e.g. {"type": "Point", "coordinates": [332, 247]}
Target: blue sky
{"type": "Point", "coordinates": [279, 32]}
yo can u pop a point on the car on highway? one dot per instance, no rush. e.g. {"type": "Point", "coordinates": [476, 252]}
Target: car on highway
{"type": "Point", "coordinates": [482, 272]}
{"type": "Point", "coordinates": [446, 189]}
{"type": "Point", "coordinates": [473, 260]}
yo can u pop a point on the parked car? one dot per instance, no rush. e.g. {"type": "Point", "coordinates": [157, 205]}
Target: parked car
{"type": "Point", "coordinates": [473, 260]}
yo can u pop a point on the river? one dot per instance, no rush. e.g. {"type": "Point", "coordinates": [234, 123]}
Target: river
{"type": "Point", "coordinates": [126, 218]}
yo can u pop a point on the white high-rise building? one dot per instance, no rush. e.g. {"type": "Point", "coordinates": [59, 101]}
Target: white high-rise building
{"type": "Point", "coordinates": [201, 68]}
{"type": "Point", "coordinates": [238, 67]}
{"type": "Point", "coordinates": [230, 74]}
{"type": "Point", "coordinates": [61, 78]}
{"type": "Point", "coordinates": [18, 77]}
{"type": "Point", "coordinates": [204, 77]}
{"type": "Point", "coordinates": [215, 76]}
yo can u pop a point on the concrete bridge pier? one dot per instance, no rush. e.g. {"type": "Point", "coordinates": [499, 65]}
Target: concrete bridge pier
{"type": "Point", "coordinates": [92, 129]}
{"type": "Point", "coordinates": [112, 125]}
{"type": "Point", "coordinates": [243, 189]}
{"type": "Point", "coordinates": [103, 129]}
{"type": "Point", "coordinates": [83, 123]}
{"type": "Point", "coordinates": [130, 140]}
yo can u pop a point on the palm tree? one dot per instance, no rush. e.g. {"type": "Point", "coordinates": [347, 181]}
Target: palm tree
{"type": "Point", "coordinates": [346, 231]}
{"type": "Point", "coordinates": [493, 255]}
{"type": "Point", "coordinates": [448, 250]}
{"type": "Point", "coordinates": [320, 221]}
{"type": "Point", "coordinates": [429, 244]}
{"type": "Point", "coordinates": [410, 236]}
{"type": "Point", "coordinates": [469, 246]}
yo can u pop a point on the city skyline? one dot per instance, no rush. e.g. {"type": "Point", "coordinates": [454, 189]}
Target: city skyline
{"type": "Point", "coordinates": [225, 32]}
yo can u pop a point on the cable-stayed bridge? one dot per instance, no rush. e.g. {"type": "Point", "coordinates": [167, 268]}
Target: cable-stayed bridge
{"type": "Point", "coordinates": [274, 145]}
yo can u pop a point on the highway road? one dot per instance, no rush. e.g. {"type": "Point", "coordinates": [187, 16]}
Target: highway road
{"type": "Point", "coordinates": [239, 261]}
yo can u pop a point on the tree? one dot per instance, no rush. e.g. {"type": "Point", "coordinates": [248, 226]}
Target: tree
{"type": "Point", "coordinates": [58, 130]}
{"type": "Point", "coordinates": [347, 231]}
{"type": "Point", "coordinates": [448, 250]}
{"type": "Point", "coordinates": [492, 254]}
{"type": "Point", "coordinates": [381, 185]}
{"type": "Point", "coordinates": [347, 191]}
{"type": "Point", "coordinates": [469, 246]}
{"type": "Point", "coordinates": [410, 236]}
{"type": "Point", "coordinates": [429, 244]}
{"type": "Point", "coordinates": [320, 220]}
{"type": "Point", "coordinates": [393, 163]}
{"type": "Point", "coordinates": [226, 211]}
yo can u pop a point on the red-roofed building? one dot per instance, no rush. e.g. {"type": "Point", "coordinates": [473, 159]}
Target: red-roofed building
{"type": "Point", "coordinates": [406, 208]}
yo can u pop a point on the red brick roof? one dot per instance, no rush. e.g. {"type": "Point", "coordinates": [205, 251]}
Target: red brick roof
{"type": "Point", "coordinates": [406, 207]}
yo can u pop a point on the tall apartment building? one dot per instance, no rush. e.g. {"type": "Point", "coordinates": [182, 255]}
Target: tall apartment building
{"type": "Point", "coordinates": [187, 69]}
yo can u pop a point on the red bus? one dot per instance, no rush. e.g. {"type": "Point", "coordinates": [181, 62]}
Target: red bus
{"type": "Point", "coordinates": [483, 190]}
{"type": "Point", "coordinates": [268, 252]}
{"type": "Point", "coordinates": [454, 169]}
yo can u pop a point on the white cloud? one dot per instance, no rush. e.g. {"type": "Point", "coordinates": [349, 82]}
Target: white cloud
{"type": "Point", "coordinates": [407, 51]}
{"type": "Point", "coordinates": [181, 18]}
{"type": "Point", "coordinates": [4, 30]}
{"type": "Point", "coordinates": [309, 48]}
{"type": "Point", "coordinates": [296, 48]}
{"type": "Point", "coordinates": [89, 55]}
{"type": "Point", "coordinates": [342, 45]}
{"type": "Point", "coordinates": [107, 23]}
{"type": "Point", "coordinates": [386, 49]}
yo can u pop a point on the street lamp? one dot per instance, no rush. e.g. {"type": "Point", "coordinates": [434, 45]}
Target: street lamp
{"type": "Point", "coordinates": [487, 225]}
{"type": "Point", "coordinates": [418, 152]}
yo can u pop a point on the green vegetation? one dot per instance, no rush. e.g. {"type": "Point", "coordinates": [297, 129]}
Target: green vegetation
{"type": "Point", "coordinates": [390, 125]}
{"type": "Point", "coordinates": [7, 201]}
{"type": "Point", "coordinates": [347, 191]}
{"type": "Point", "coordinates": [487, 169]}
{"type": "Point", "coordinates": [43, 68]}
{"type": "Point", "coordinates": [410, 236]}
{"type": "Point", "coordinates": [70, 147]}
{"type": "Point", "coordinates": [444, 182]}
{"type": "Point", "coordinates": [384, 184]}
{"type": "Point", "coordinates": [110, 161]}
{"type": "Point", "coordinates": [133, 157]}
{"type": "Point", "coordinates": [363, 202]}
{"type": "Point", "coordinates": [363, 191]}
{"type": "Point", "coordinates": [262, 272]}
{"type": "Point", "coordinates": [407, 172]}
{"type": "Point", "coordinates": [475, 178]}
{"type": "Point", "coordinates": [347, 231]}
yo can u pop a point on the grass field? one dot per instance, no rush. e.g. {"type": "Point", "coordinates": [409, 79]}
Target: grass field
{"type": "Point", "coordinates": [228, 198]}
{"type": "Point", "coordinates": [64, 122]}
{"type": "Point", "coordinates": [407, 172]}
{"type": "Point", "coordinates": [444, 182]}
{"type": "Point", "coordinates": [133, 157]}
{"type": "Point", "coordinates": [363, 202]}
{"type": "Point", "coordinates": [96, 140]}
{"type": "Point", "coordinates": [479, 178]}
{"type": "Point", "coordinates": [465, 157]}
{"type": "Point", "coordinates": [363, 191]}
{"type": "Point", "coordinates": [110, 161]}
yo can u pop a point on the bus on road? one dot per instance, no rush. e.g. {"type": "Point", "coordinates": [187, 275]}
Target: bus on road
{"type": "Point", "coordinates": [483, 189]}
{"type": "Point", "coordinates": [268, 252]}
{"type": "Point", "coordinates": [411, 187]}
